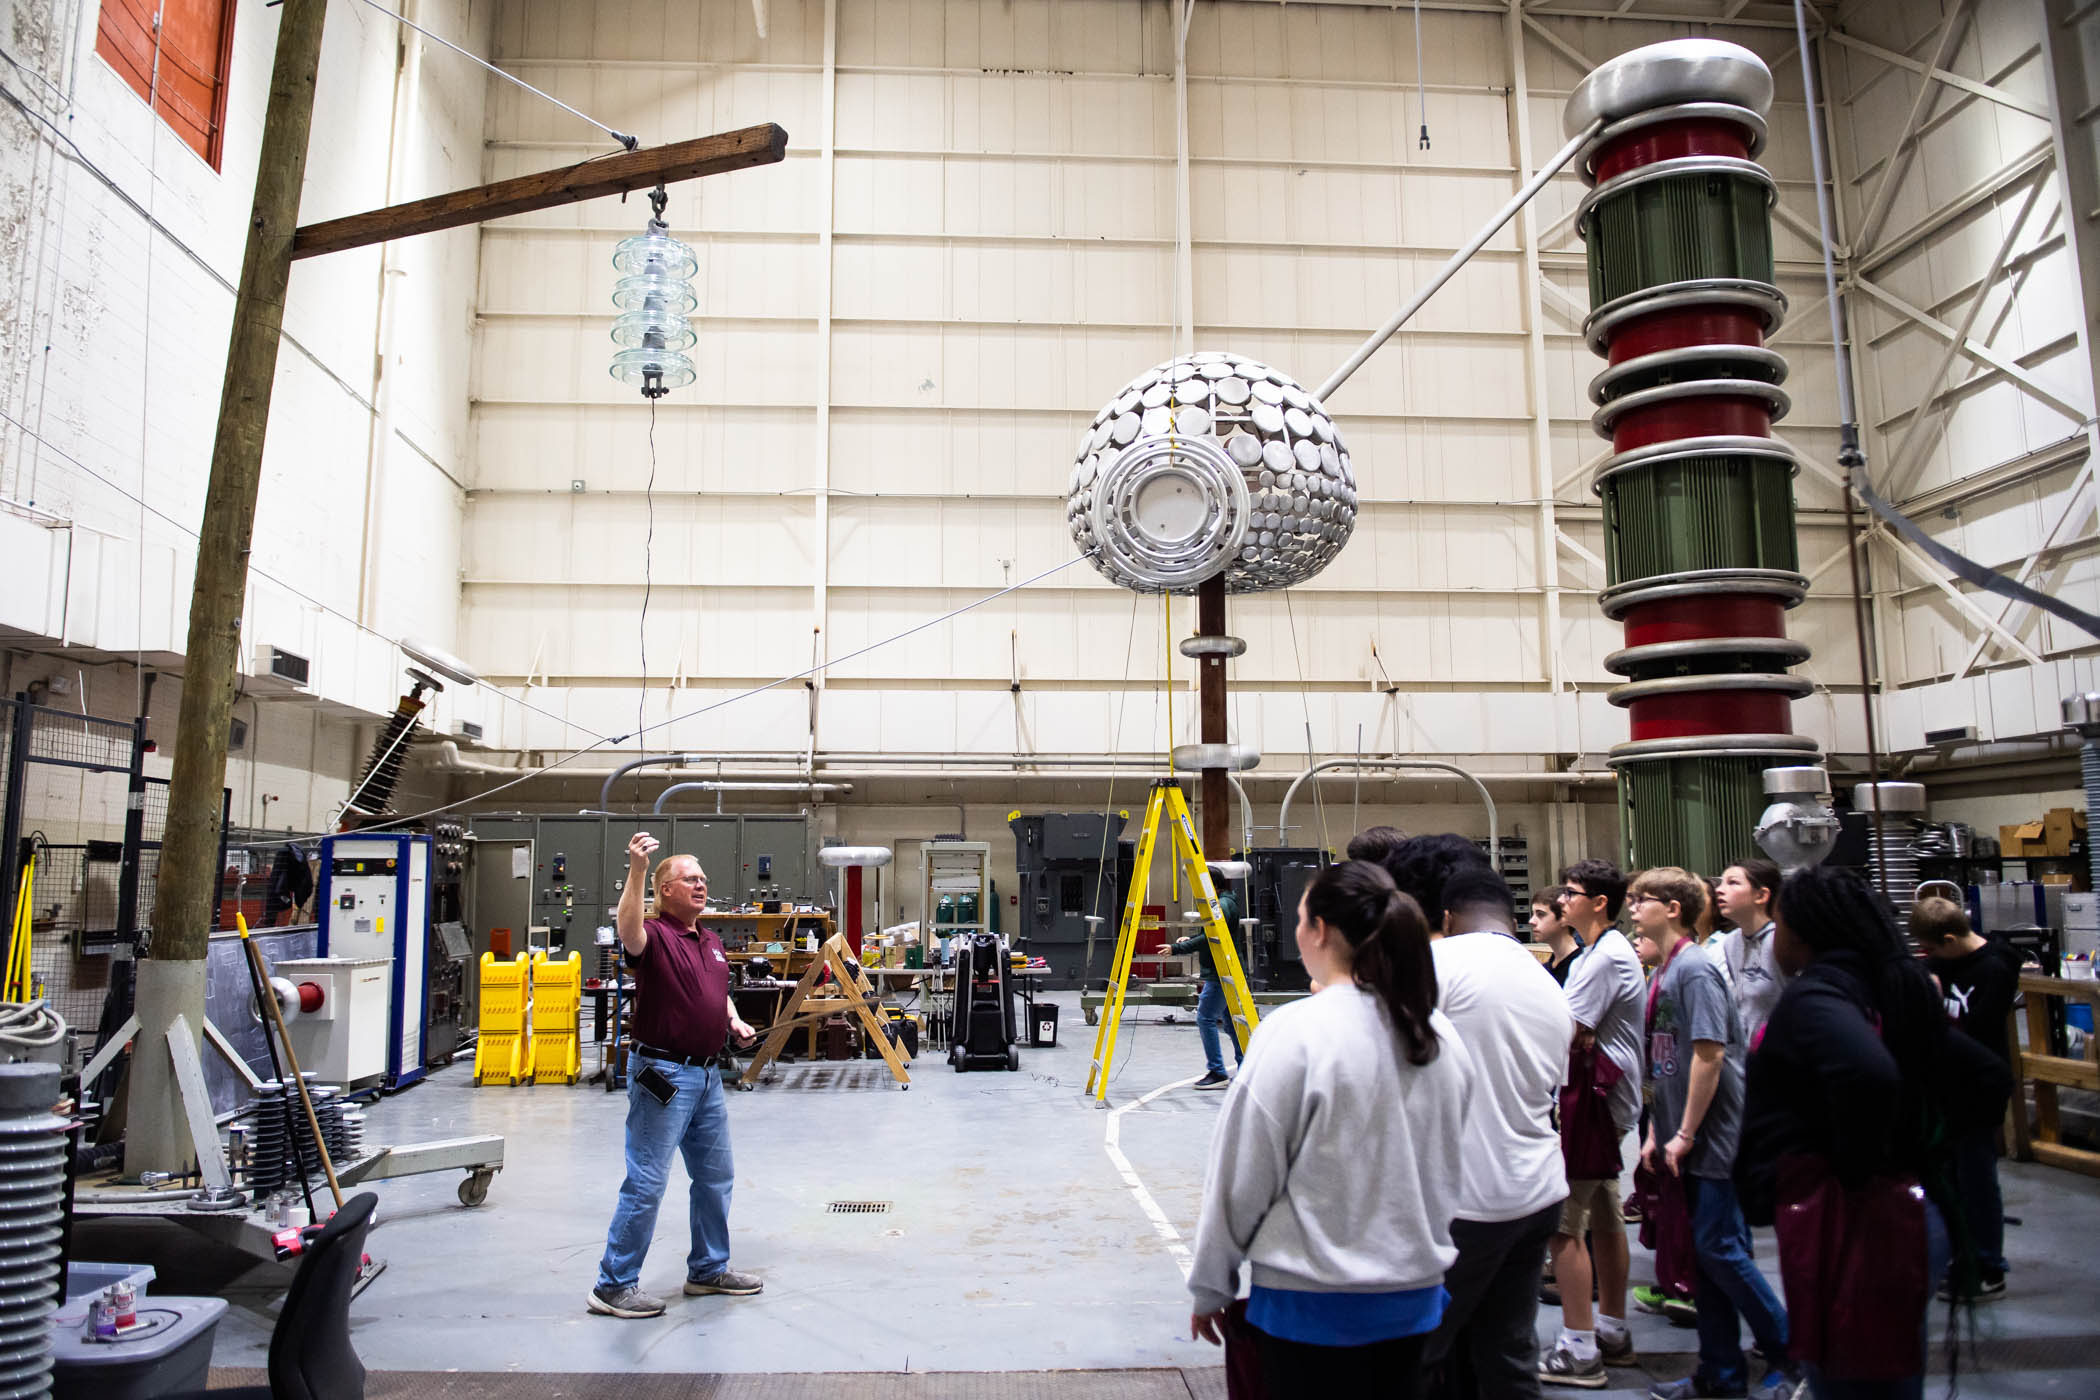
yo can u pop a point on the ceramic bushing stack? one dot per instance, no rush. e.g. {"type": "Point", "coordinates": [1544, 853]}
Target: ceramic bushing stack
{"type": "Point", "coordinates": [1700, 551]}
{"type": "Point", "coordinates": [32, 1186]}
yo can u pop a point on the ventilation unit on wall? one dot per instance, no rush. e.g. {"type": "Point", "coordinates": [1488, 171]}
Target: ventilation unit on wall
{"type": "Point", "coordinates": [1960, 734]}
{"type": "Point", "coordinates": [469, 731]}
{"type": "Point", "coordinates": [276, 671]}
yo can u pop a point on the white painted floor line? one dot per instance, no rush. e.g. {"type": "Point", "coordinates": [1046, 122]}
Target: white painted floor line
{"type": "Point", "coordinates": [1161, 1226]}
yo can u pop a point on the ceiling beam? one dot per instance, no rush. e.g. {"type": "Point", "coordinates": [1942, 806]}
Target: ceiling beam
{"type": "Point", "coordinates": [2003, 364]}
{"type": "Point", "coordinates": [1925, 569]}
{"type": "Point", "coordinates": [1938, 74]}
{"type": "Point", "coordinates": [1981, 192]}
{"type": "Point", "coordinates": [1921, 106]}
{"type": "Point", "coordinates": [2076, 504]}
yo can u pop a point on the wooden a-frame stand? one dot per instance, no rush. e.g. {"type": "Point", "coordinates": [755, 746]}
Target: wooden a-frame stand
{"type": "Point", "coordinates": [849, 992]}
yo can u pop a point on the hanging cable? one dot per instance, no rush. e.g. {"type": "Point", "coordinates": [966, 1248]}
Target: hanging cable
{"type": "Point", "coordinates": [1421, 80]}
{"type": "Point", "coordinates": [727, 700]}
{"type": "Point", "coordinates": [1115, 753]}
{"type": "Point", "coordinates": [1305, 702]}
{"type": "Point", "coordinates": [1115, 747]}
{"type": "Point", "coordinates": [258, 571]}
{"type": "Point", "coordinates": [620, 136]}
{"type": "Point", "coordinates": [641, 702]}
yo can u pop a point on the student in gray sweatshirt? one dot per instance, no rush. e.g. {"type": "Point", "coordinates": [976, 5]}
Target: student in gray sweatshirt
{"type": "Point", "coordinates": [1335, 1166]}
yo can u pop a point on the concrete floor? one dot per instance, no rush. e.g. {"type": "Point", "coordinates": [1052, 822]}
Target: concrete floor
{"type": "Point", "coordinates": [1012, 1242]}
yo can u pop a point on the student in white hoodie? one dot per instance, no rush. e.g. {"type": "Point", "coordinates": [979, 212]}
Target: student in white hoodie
{"type": "Point", "coordinates": [1516, 1027]}
{"type": "Point", "coordinates": [1335, 1165]}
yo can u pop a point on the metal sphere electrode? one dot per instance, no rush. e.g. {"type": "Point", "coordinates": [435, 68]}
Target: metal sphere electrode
{"type": "Point", "coordinates": [1211, 464]}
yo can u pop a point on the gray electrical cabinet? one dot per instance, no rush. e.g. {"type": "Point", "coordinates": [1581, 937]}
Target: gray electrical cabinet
{"type": "Point", "coordinates": [568, 885]}
{"type": "Point", "coordinates": [1059, 858]}
{"type": "Point", "coordinates": [712, 842]}
{"type": "Point", "coordinates": [579, 863]}
{"type": "Point", "coordinates": [774, 860]}
{"type": "Point", "coordinates": [613, 858]}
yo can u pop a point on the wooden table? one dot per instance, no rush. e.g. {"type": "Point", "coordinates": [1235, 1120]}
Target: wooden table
{"type": "Point", "coordinates": [2049, 1072]}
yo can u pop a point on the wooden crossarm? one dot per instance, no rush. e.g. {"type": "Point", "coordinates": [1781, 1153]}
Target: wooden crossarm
{"type": "Point", "coordinates": [763, 144]}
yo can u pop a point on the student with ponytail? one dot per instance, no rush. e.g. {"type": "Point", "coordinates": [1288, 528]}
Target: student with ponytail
{"type": "Point", "coordinates": [1335, 1165]}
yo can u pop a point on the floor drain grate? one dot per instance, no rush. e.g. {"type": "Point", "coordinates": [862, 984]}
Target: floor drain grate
{"type": "Point", "coordinates": [859, 1207]}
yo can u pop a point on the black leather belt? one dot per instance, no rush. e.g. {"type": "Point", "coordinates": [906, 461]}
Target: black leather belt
{"type": "Point", "coordinates": [655, 1054]}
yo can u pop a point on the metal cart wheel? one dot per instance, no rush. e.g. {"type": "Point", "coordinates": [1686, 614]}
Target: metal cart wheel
{"type": "Point", "coordinates": [475, 1188]}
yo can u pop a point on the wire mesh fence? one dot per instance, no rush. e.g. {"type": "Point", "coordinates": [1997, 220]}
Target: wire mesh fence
{"type": "Point", "coordinates": [81, 741]}
{"type": "Point", "coordinates": [73, 790]}
{"type": "Point", "coordinates": [73, 925]}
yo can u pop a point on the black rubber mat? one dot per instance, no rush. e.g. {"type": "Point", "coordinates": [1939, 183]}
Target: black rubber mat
{"type": "Point", "coordinates": [642, 1385]}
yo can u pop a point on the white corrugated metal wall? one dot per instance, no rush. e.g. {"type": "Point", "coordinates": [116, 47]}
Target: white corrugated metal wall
{"type": "Point", "coordinates": [888, 398]}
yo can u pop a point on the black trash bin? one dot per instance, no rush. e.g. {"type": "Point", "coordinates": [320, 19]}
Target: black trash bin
{"type": "Point", "coordinates": [1042, 1024]}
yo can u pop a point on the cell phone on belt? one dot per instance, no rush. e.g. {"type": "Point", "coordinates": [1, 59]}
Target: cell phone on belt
{"type": "Point", "coordinates": [656, 1084]}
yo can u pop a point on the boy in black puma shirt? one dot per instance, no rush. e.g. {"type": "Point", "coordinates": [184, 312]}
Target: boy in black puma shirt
{"type": "Point", "coordinates": [1979, 979]}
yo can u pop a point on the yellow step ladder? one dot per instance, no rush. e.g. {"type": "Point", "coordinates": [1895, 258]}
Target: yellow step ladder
{"type": "Point", "coordinates": [1168, 803]}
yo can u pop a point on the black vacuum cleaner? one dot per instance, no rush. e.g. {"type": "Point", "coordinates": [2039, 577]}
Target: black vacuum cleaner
{"type": "Point", "coordinates": [984, 1034]}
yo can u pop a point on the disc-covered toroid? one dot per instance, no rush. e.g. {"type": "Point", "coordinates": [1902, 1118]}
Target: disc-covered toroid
{"type": "Point", "coordinates": [1207, 464]}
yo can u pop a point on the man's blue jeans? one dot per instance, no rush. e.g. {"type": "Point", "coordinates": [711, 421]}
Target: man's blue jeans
{"type": "Point", "coordinates": [1731, 1290]}
{"type": "Point", "coordinates": [696, 1123]}
{"type": "Point", "coordinates": [1214, 1021]}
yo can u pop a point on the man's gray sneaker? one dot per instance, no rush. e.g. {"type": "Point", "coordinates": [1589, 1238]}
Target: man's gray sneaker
{"type": "Point", "coordinates": [1560, 1367]}
{"type": "Point", "coordinates": [729, 1281]}
{"type": "Point", "coordinates": [626, 1302]}
{"type": "Point", "coordinates": [1617, 1353]}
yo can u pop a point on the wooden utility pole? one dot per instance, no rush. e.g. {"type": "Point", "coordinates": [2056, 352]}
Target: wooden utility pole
{"type": "Point", "coordinates": [1216, 790]}
{"type": "Point", "coordinates": [171, 980]}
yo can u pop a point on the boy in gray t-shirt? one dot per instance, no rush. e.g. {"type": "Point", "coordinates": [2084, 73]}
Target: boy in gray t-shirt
{"type": "Point", "coordinates": [1693, 1010]}
{"type": "Point", "coordinates": [1695, 1054]}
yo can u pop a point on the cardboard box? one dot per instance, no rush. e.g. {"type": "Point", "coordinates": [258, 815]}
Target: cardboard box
{"type": "Point", "coordinates": [2060, 827]}
{"type": "Point", "coordinates": [2019, 842]}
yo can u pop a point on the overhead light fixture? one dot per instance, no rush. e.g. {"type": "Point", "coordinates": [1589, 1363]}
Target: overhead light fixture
{"type": "Point", "coordinates": [444, 663]}
{"type": "Point", "coordinates": [655, 295]}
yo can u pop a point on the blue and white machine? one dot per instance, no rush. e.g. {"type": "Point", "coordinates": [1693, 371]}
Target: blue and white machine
{"type": "Point", "coordinates": [374, 902]}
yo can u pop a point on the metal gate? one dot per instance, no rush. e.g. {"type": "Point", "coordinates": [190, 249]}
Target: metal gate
{"type": "Point", "coordinates": [97, 848]}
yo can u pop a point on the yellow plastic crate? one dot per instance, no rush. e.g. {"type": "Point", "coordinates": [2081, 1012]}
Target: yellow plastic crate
{"type": "Point", "coordinates": [503, 1051]}
{"type": "Point", "coordinates": [555, 1054]}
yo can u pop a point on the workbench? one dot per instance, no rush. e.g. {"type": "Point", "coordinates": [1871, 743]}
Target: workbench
{"type": "Point", "coordinates": [753, 932]}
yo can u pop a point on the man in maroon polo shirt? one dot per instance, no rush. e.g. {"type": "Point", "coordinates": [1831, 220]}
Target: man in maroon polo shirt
{"type": "Point", "coordinates": [683, 1015]}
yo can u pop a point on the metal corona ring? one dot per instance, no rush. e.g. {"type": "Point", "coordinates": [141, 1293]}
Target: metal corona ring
{"type": "Point", "coordinates": [1168, 512]}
